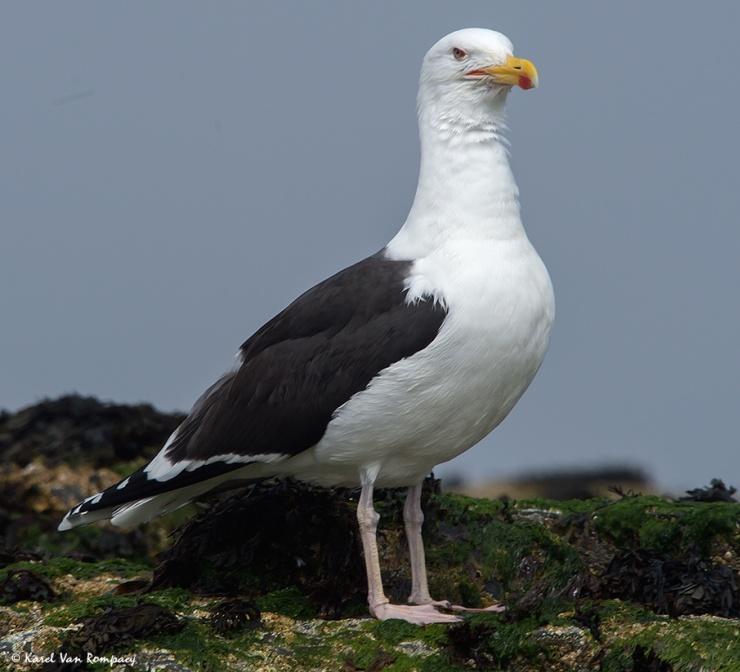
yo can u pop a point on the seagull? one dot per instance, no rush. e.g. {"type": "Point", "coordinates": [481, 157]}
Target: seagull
{"type": "Point", "coordinates": [395, 364]}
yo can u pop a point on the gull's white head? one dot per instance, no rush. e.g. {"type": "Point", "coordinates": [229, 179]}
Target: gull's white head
{"type": "Point", "coordinates": [468, 74]}
{"type": "Point", "coordinates": [466, 189]}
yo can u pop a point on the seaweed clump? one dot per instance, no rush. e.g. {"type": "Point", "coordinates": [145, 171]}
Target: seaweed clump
{"type": "Point", "coordinates": [272, 536]}
{"type": "Point", "coordinates": [717, 491]}
{"type": "Point", "coordinates": [590, 584]}
{"type": "Point", "coordinates": [74, 429]}
{"type": "Point", "coordinates": [111, 630]}
{"type": "Point", "coordinates": [57, 452]}
{"type": "Point", "coordinates": [23, 584]}
{"type": "Point", "coordinates": [234, 615]}
{"type": "Point", "coordinates": [688, 585]}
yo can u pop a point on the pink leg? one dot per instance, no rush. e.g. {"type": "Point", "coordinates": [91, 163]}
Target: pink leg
{"type": "Point", "coordinates": [380, 607]}
{"type": "Point", "coordinates": [413, 518]}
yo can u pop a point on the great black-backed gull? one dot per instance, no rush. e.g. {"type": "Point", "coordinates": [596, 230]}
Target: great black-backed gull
{"type": "Point", "coordinates": [397, 363]}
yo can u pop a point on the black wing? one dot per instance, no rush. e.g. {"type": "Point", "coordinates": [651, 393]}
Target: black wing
{"type": "Point", "coordinates": [296, 371]}
{"type": "Point", "coordinates": [309, 360]}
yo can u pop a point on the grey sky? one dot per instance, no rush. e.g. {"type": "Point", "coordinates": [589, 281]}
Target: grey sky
{"type": "Point", "coordinates": [173, 173]}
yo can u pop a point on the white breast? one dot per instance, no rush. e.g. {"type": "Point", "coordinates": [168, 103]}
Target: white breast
{"type": "Point", "coordinates": [436, 404]}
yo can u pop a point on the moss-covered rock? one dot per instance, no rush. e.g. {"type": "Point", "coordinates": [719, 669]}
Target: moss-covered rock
{"type": "Point", "coordinates": [272, 579]}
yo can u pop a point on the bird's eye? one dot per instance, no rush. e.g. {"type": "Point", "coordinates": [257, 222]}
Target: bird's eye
{"type": "Point", "coordinates": [459, 54]}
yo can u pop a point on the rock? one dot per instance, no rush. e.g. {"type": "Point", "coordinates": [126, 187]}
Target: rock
{"type": "Point", "coordinates": [560, 484]}
{"type": "Point", "coordinates": [35, 497]}
{"type": "Point", "coordinates": [75, 429]}
{"type": "Point", "coordinates": [690, 585]}
{"type": "Point", "coordinates": [270, 578]}
{"type": "Point", "coordinates": [116, 627]}
{"type": "Point", "coordinates": [23, 584]}
{"type": "Point", "coordinates": [563, 612]}
{"type": "Point", "coordinates": [717, 491]}
{"type": "Point", "coordinates": [57, 452]}
{"type": "Point", "coordinates": [234, 615]}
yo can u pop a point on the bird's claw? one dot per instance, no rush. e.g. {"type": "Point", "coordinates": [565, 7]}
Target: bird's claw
{"type": "Point", "coordinates": [446, 605]}
{"type": "Point", "coordinates": [418, 614]}
{"type": "Point", "coordinates": [491, 609]}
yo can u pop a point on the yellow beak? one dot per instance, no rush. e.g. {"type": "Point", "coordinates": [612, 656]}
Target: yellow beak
{"type": "Point", "coordinates": [515, 72]}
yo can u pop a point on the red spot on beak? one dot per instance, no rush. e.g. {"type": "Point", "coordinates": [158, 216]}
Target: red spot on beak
{"type": "Point", "coordinates": [525, 82]}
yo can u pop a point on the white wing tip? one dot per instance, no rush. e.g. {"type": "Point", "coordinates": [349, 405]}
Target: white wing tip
{"type": "Point", "coordinates": [66, 524]}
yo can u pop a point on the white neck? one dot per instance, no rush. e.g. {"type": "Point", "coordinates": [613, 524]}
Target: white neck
{"type": "Point", "coordinates": [466, 189]}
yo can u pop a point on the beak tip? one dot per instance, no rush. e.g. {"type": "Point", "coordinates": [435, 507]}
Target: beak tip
{"type": "Point", "coordinates": [526, 83]}
{"type": "Point", "coordinates": [515, 72]}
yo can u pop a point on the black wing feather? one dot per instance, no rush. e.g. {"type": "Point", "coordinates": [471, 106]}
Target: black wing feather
{"type": "Point", "coordinates": [296, 371]}
{"type": "Point", "coordinates": [307, 361]}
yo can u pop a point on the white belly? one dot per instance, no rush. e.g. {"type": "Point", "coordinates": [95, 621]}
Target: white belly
{"type": "Point", "coordinates": [436, 404]}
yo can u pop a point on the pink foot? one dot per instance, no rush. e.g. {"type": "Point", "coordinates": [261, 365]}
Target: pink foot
{"type": "Point", "coordinates": [446, 604]}
{"type": "Point", "coordinates": [492, 609]}
{"type": "Point", "coordinates": [418, 614]}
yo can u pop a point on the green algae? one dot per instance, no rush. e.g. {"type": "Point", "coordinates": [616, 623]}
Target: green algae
{"type": "Point", "coordinates": [288, 602]}
{"type": "Point", "coordinates": [379, 642]}
{"type": "Point", "coordinates": [482, 550]}
{"type": "Point", "coordinates": [74, 610]}
{"type": "Point", "coordinates": [458, 509]}
{"type": "Point", "coordinates": [394, 631]}
{"type": "Point", "coordinates": [477, 550]}
{"type": "Point", "coordinates": [691, 644]}
{"type": "Point", "coordinates": [687, 644]}
{"type": "Point", "coordinates": [561, 507]}
{"type": "Point", "coordinates": [197, 647]}
{"type": "Point", "coordinates": [512, 555]}
{"type": "Point", "coordinates": [53, 568]}
{"type": "Point", "coordinates": [665, 526]}
{"type": "Point", "coordinates": [494, 642]}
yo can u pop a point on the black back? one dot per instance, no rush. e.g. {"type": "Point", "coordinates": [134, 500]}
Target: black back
{"type": "Point", "coordinates": [296, 371]}
{"type": "Point", "coordinates": [309, 360]}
